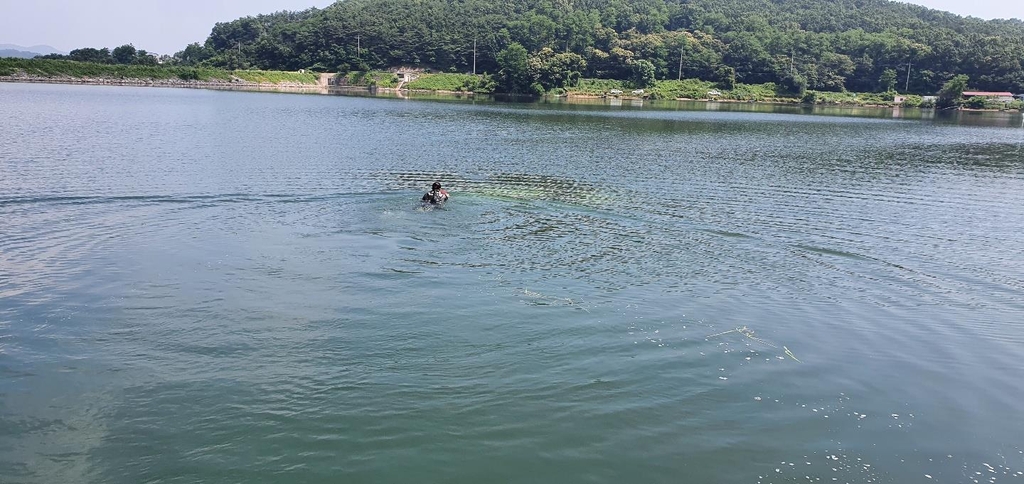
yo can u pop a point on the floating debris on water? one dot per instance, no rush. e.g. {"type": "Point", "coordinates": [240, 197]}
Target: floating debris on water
{"type": "Point", "coordinates": [791, 355]}
{"type": "Point", "coordinates": [561, 300]}
{"type": "Point", "coordinates": [749, 333]}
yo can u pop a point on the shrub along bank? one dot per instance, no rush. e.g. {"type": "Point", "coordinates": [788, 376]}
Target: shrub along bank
{"type": "Point", "coordinates": [57, 69]}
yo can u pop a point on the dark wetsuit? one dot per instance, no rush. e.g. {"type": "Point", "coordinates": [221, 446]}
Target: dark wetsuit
{"type": "Point", "coordinates": [435, 197]}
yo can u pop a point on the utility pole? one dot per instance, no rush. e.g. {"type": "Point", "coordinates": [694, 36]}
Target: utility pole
{"type": "Point", "coordinates": [907, 89]}
{"type": "Point", "coordinates": [358, 51]}
{"type": "Point", "coordinates": [474, 56]}
{"type": "Point", "coordinates": [680, 62]}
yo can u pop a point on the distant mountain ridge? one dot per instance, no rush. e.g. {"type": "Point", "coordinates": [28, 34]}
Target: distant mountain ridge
{"type": "Point", "coordinates": [10, 50]}
{"type": "Point", "coordinates": [21, 54]}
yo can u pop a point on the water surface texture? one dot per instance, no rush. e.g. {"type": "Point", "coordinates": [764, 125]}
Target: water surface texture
{"type": "Point", "coordinates": [201, 286]}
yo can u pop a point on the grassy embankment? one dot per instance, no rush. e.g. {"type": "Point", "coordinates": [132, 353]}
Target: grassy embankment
{"type": "Point", "coordinates": [452, 83]}
{"type": "Point", "coordinates": [684, 89]}
{"type": "Point", "coordinates": [442, 82]}
{"type": "Point", "coordinates": [57, 69]}
{"type": "Point", "coordinates": [276, 77]}
{"type": "Point", "coordinates": [768, 92]}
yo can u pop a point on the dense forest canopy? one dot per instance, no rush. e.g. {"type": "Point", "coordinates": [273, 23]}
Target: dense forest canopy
{"type": "Point", "coordinates": [832, 45]}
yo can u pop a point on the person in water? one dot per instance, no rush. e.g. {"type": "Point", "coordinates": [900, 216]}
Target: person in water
{"type": "Point", "coordinates": [436, 195]}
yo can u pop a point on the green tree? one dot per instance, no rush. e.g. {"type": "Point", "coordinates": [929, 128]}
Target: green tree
{"type": "Point", "coordinates": [514, 76]}
{"type": "Point", "coordinates": [228, 35]}
{"type": "Point", "coordinates": [230, 60]}
{"type": "Point", "coordinates": [576, 31]}
{"type": "Point", "coordinates": [888, 80]}
{"type": "Point", "coordinates": [556, 70]}
{"type": "Point", "coordinates": [124, 54]}
{"type": "Point", "coordinates": [144, 58]}
{"type": "Point", "coordinates": [976, 102]}
{"type": "Point", "coordinates": [749, 57]}
{"type": "Point", "coordinates": [269, 54]}
{"type": "Point", "coordinates": [99, 56]}
{"type": "Point", "coordinates": [793, 84]}
{"type": "Point", "coordinates": [535, 31]}
{"type": "Point", "coordinates": [193, 54]}
{"type": "Point", "coordinates": [830, 72]}
{"type": "Point", "coordinates": [952, 92]}
{"type": "Point", "coordinates": [643, 74]}
{"type": "Point", "coordinates": [726, 77]}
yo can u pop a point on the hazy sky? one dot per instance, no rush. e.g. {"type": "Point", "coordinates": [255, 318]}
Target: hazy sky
{"type": "Point", "coordinates": [165, 26]}
{"type": "Point", "coordinates": [160, 26]}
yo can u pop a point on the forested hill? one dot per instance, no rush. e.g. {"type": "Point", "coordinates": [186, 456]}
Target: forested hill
{"type": "Point", "coordinates": [857, 45]}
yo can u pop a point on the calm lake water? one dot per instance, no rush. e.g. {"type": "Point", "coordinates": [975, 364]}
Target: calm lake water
{"type": "Point", "coordinates": [202, 286]}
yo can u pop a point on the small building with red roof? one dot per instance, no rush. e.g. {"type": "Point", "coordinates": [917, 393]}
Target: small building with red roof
{"type": "Point", "coordinates": [1002, 97]}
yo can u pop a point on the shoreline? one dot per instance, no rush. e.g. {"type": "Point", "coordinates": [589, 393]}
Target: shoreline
{"type": "Point", "coordinates": [295, 87]}
{"type": "Point", "coordinates": [150, 82]}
